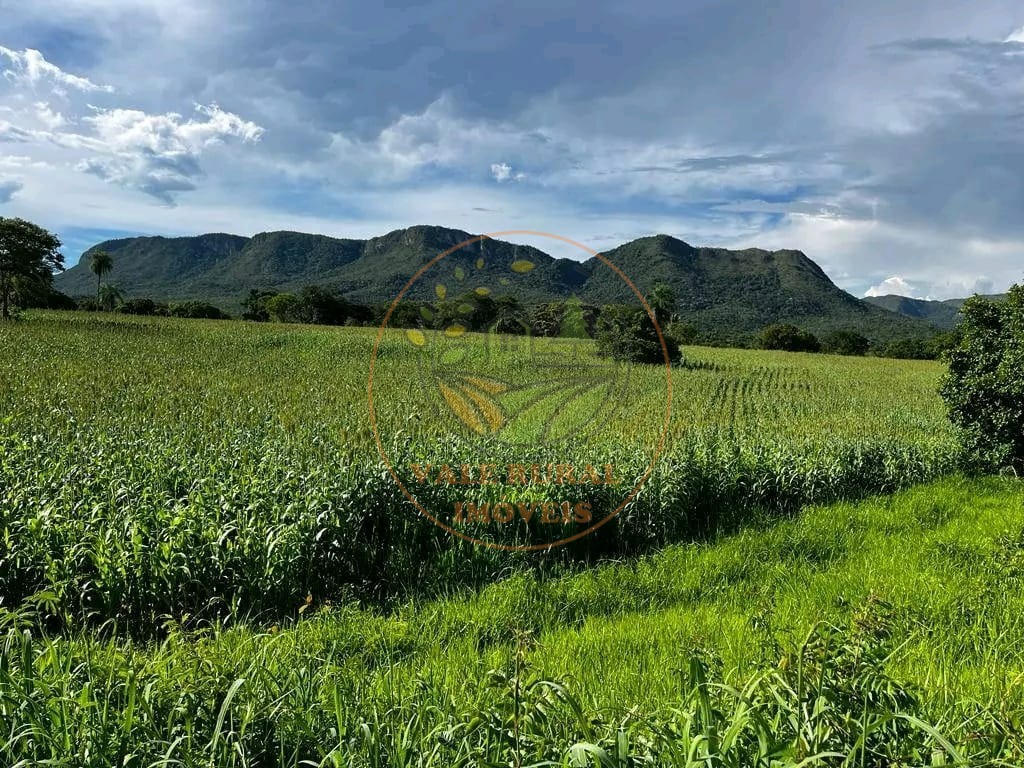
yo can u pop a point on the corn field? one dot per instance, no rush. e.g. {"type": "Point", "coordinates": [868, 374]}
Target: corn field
{"type": "Point", "coordinates": [204, 561]}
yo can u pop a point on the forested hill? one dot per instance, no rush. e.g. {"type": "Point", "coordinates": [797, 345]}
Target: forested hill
{"type": "Point", "coordinates": [727, 294]}
{"type": "Point", "coordinates": [945, 313]}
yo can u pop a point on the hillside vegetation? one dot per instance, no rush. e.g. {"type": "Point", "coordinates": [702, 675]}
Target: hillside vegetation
{"type": "Point", "coordinates": [727, 295]}
{"type": "Point", "coordinates": [944, 313]}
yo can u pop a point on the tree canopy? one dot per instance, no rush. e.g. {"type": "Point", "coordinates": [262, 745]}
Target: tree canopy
{"type": "Point", "coordinates": [29, 255]}
{"type": "Point", "coordinates": [625, 332]}
{"type": "Point", "coordinates": [100, 263]}
{"type": "Point", "coordinates": [984, 388]}
{"type": "Point", "coordinates": [789, 338]}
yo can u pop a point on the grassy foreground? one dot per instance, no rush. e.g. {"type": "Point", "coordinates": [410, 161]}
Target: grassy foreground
{"type": "Point", "coordinates": [889, 632]}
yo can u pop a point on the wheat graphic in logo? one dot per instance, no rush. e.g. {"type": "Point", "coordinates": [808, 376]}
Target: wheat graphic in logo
{"type": "Point", "coordinates": [559, 388]}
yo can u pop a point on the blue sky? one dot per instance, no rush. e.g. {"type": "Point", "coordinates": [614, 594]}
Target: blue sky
{"type": "Point", "coordinates": [884, 139]}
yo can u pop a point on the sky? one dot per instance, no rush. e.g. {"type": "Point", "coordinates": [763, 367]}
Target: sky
{"type": "Point", "coordinates": [884, 138]}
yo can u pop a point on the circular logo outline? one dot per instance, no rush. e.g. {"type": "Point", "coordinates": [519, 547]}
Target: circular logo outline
{"type": "Point", "coordinates": [657, 450]}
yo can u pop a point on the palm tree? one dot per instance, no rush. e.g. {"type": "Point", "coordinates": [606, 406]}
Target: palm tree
{"type": "Point", "coordinates": [109, 297]}
{"type": "Point", "coordinates": [100, 263]}
{"type": "Point", "coordinates": [662, 302]}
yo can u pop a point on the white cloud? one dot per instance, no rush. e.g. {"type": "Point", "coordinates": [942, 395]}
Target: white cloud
{"type": "Point", "coordinates": [153, 151]}
{"type": "Point", "coordinates": [157, 154]}
{"type": "Point", "coordinates": [1016, 37]}
{"type": "Point", "coordinates": [896, 284]}
{"type": "Point", "coordinates": [437, 138]}
{"type": "Point", "coordinates": [30, 67]}
{"type": "Point", "coordinates": [48, 117]}
{"type": "Point", "coordinates": [861, 255]}
{"type": "Point", "coordinates": [503, 172]}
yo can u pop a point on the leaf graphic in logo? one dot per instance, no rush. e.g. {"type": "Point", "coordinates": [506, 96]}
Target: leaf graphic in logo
{"type": "Point", "coordinates": [441, 291]}
{"type": "Point", "coordinates": [466, 309]}
{"type": "Point", "coordinates": [522, 266]}
{"type": "Point", "coordinates": [460, 274]}
{"type": "Point", "coordinates": [480, 263]}
{"type": "Point", "coordinates": [491, 386]}
{"type": "Point", "coordinates": [462, 408]}
{"type": "Point", "coordinates": [426, 313]}
{"type": "Point", "coordinates": [473, 402]}
{"type": "Point", "coordinates": [481, 291]}
{"type": "Point", "coordinates": [416, 336]}
{"type": "Point", "coordinates": [454, 330]}
{"type": "Point", "coordinates": [491, 410]}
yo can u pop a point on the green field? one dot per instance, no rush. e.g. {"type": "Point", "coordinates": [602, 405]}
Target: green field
{"type": "Point", "coordinates": [204, 562]}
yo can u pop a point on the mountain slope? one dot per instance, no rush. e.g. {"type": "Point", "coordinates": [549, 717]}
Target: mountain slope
{"type": "Point", "coordinates": [154, 266]}
{"type": "Point", "coordinates": [729, 295]}
{"type": "Point", "coordinates": [945, 314]}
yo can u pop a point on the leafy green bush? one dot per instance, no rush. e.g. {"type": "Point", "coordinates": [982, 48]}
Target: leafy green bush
{"type": "Point", "coordinates": [683, 333]}
{"type": "Point", "coordinates": [198, 310]}
{"type": "Point", "coordinates": [845, 343]}
{"type": "Point", "coordinates": [921, 348]}
{"type": "Point", "coordinates": [984, 389]}
{"type": "Point", "coordinates": [626, 333]}
{"type": "Point", "coordinates": [313, 304]}
{"type": "Point", "coordinates": [254, 305]}
{"type": "Point", "coordinates": [142, 307]}
{"type": "Point", "coordinates": [788, 338]}
{"type": "Point", "coordinates": [569, 318]}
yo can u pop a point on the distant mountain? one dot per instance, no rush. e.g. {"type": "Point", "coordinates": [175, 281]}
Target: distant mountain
{"type": "Point", "coordinates": [731, 295]}
{"type": "Point", "coordinates": [728, 295]}
{"type": "Point", "coordinates": [945, 314]}
{"type": "Point", "coordinates": [222, 268]}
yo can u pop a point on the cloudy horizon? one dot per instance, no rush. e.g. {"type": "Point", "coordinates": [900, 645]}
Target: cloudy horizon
{"type": "Point", "coordinates": [884, 140]}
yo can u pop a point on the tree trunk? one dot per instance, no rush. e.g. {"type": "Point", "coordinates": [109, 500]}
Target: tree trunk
{"type": "Point", "coordinates": [98, 278]}
{"type": "Point", "coordinates": [6, 313]}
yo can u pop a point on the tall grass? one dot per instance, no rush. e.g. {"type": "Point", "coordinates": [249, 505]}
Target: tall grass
{"type": "Point", "coordinates": [877, 634]}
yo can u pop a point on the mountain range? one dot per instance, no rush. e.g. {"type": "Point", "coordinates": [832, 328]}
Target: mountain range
{"type": "Point", "coordinates": [944, 314]}
{"type": "Point", "coordinates": [728, 295]}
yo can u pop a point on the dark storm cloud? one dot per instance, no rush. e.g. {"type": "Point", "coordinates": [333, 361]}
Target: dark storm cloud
{"type": "Point", "coordinates": [855, 131]}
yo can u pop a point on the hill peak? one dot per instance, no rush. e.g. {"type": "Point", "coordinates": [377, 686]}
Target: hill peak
{"type": "Point", "coordinates": [420, 235]}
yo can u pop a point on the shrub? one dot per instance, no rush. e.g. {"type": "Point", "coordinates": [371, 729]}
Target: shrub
{"type": "Point", "coordinates": [789, 338]}
{"type": "Point", "coordinates": [845, 343]}
{"type": "Point", "coordinates": [323, 307]}
{"type": "Point", "coordinates": [907, 349]}
{"type": "Point", "coordinates": [254, 305]}
{"type": "Point", "coordinates": [984, 387]}
{"type": "Point", "coordinates": [683, 333]}
{"type": "Point", "coordinates": [406, 314]}
{"type": "Point", "coordinates": [626, 333]}
{"type": "Point", "coordinates": [142, 307]}
{"type": "Point", "coordinates": [199, 310]}
{"type": "Point", "coordinates": [569, 318]}
{"type": "Point", "coordinates": [284, 308]}
{"type": "Point", "coordinates": [46, 298]}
